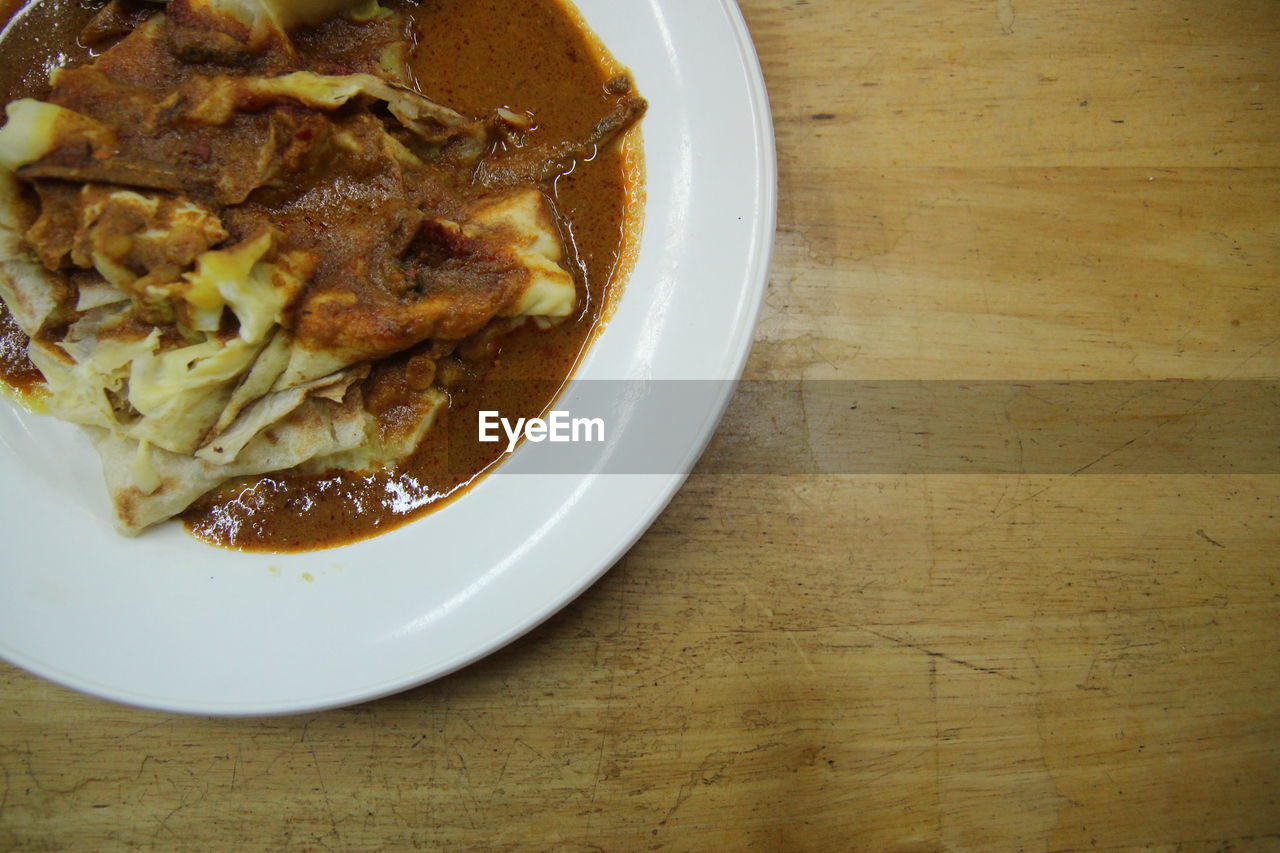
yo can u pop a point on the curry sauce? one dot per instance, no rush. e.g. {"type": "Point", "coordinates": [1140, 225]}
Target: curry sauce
{"type": "Point", "coordinates": [533, 58]}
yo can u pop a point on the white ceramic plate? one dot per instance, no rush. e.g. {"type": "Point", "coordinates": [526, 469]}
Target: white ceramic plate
{"type": "Point", "coordinates": [166, 622]}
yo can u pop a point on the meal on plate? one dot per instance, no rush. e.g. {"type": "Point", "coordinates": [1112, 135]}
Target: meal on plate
{"type": "Point", "coordinates": [258, 249]}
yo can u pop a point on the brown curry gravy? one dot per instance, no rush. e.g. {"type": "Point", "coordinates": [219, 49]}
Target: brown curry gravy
{"type": "Point", "coordinates": [527, 55]}
{"type": "Point", "coordinates": [33, 44]}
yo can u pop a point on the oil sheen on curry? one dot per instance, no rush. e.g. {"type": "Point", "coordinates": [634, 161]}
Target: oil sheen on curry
{"type": "Point", "coordinates": [275, 256]}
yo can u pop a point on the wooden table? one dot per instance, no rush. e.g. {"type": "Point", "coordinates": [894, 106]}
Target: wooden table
{"type": "Point", "coordinates": [883, 662]}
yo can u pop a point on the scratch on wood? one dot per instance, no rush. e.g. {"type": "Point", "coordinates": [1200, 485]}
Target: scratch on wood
{"type": "Point", "coordinates": [608, 712]}
{"type": "Point", "coordinates": [124, 737]}
{"type": "Point", "coordinates": [1006, 16]}
{"type": "Point", "coordinates": [1206, 537]}
{"type": "Point", "coordinates": [1110, 453]}
{"type": "Point", "coordinates": [471, 788]}
{"type": "Point", "coordinates": [333, 821]}
{"type": "Point", "coordinates": [804, 657]}
{"type": "Point", "coordinates": [302, 737]}
{"type": "Point", "coordinates": [937, 745]}
{"type": "Point", "coordinates": [525, 744]}
{"type": "Point", "coordinates": [31, 771]}
{"type": "Point", "coordinates": [164, 821]}
{"type": "Point", "coordinates": [940, 656]}
{"type": "Point", "coordinates": [163, 825]}
{"type": "Point", "coordinates": [724, 760]}
{"type": "Point", "coordinates": [1018, 503]}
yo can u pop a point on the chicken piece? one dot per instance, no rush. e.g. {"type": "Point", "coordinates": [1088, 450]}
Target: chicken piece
{"type": "Point", "coordinates": [99, 130]}
{"type": "Point", "coordinates": [238, 32]}
{"type": "Point", "coordinates": [114, 21]}
{"type": "Point", "coordinates": [540, 163]}
{"type": "Point", "coordinates": [284, 14]}
{"type": "Point", "coordinates": [216, 101]}
{"type": "Point", "coordinates": [137, 240]}
{"type": "Point", "coordinates": [54, 231]}
{"type": "Point", "coordinates": [501, 260]}
{"type": "Point", "coordinates": [270, 129]}
{"type": "Point", "coordinates": [133, 241]}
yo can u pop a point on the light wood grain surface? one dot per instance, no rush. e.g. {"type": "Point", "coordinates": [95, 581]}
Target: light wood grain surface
{"type": "Point", "coordinates": [889, 662]}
